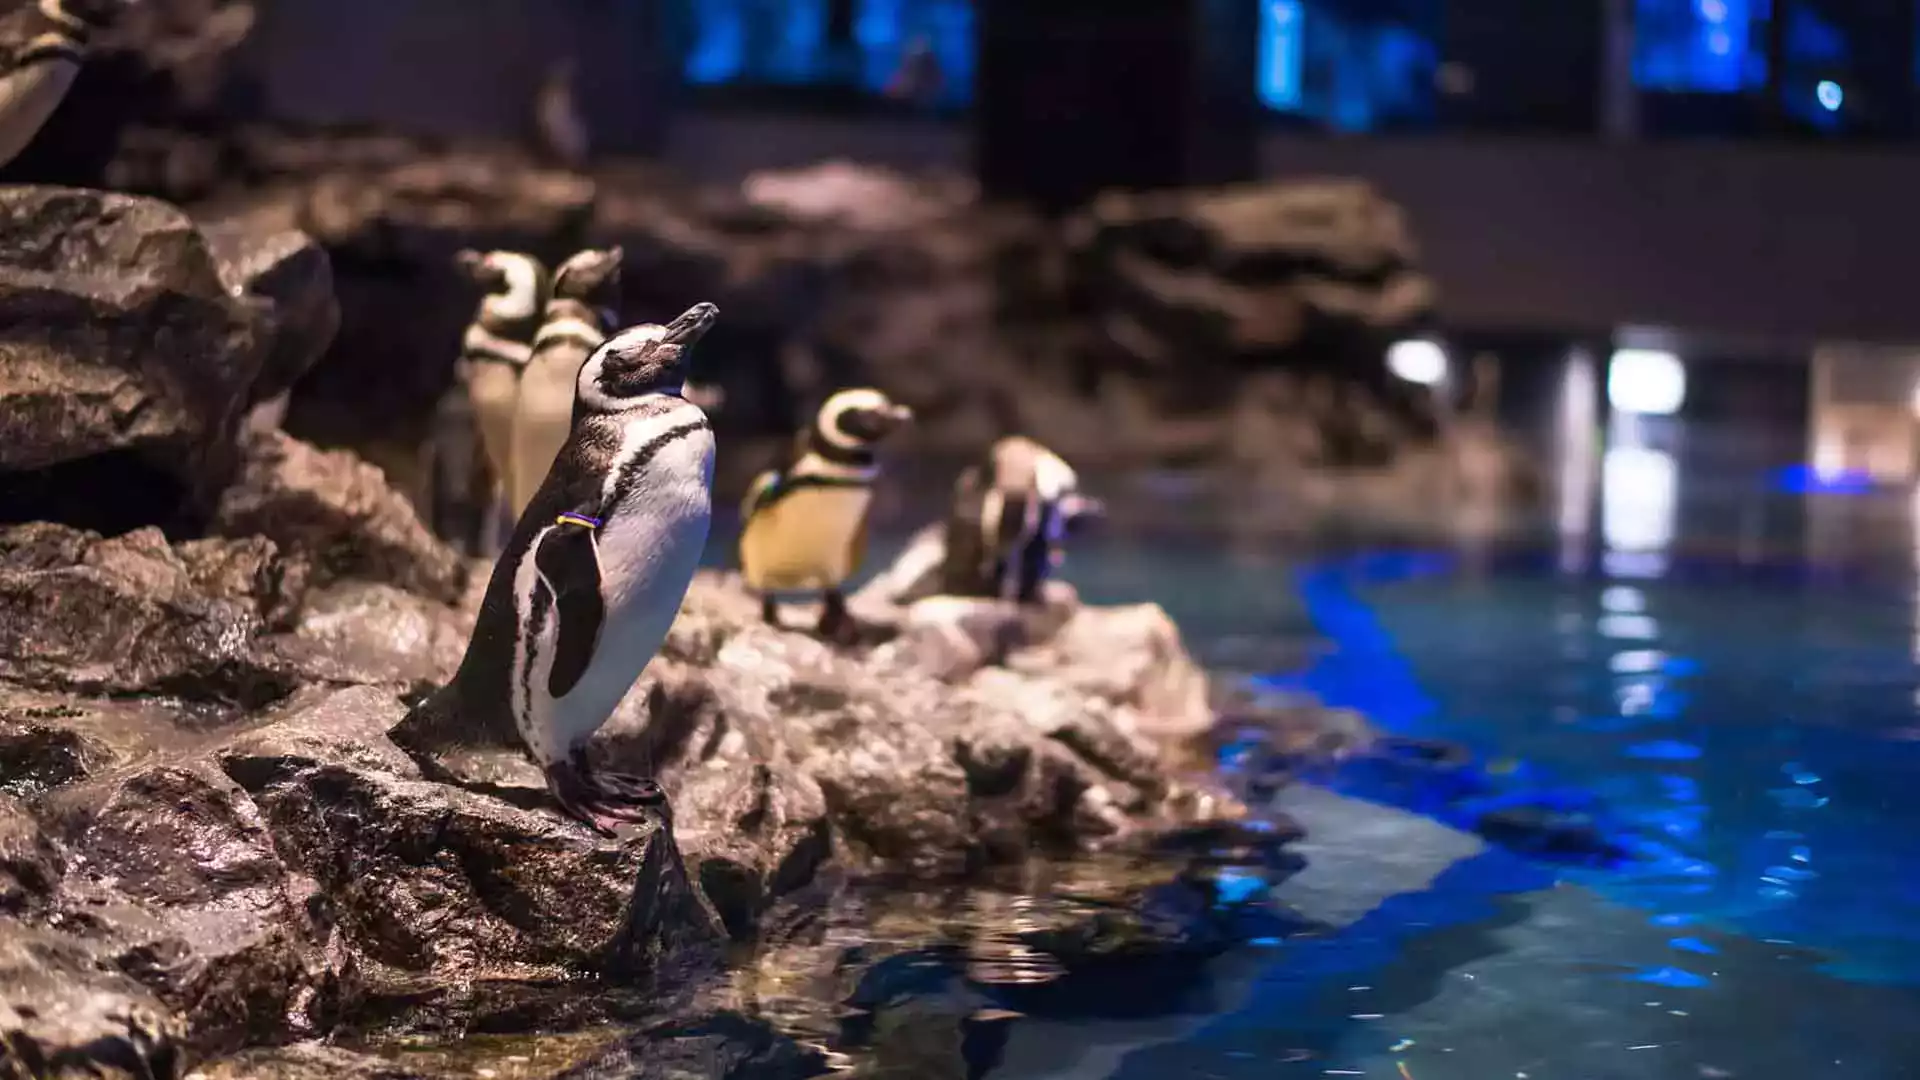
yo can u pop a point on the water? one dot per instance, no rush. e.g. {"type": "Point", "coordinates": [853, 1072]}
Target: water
{"type": "Point", "coordinates": [1720, 671]}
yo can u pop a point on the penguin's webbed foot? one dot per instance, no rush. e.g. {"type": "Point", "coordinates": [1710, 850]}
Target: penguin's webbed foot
{"type": "Point", "coordinates": [604, 800]}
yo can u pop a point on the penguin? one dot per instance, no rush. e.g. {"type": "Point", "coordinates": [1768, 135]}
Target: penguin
{"type": "Point", "coordinates": [46, 42]}
{"type": "Point", "coordinates": [591, 579]}
{"type": "Point", "coordinates": [494, 351]}
{"type": "Point", "coordinates": [1011, 516]}
{"type": "Point", "coordinates": [580, 312]}
{"type": "Point", "coordinates": [804, 526]}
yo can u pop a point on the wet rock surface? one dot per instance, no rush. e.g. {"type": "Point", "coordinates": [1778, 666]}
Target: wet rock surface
{"type": "Point", "coordinates": [209, 842]}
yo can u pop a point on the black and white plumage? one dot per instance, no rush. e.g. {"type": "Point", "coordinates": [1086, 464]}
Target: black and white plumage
{"type": "Point", "coordinates": [44, 43]}
{"type": "Point", "coordinates": [474, 425]}
{"type": "Point", "coordinates": [581, 310]}
{"type": "Point", "coordinates": [592, 577]}
{"type": "Point", "coordinates": [804, 525]}
{"type": "Point", "coordinates": [1011, 515]}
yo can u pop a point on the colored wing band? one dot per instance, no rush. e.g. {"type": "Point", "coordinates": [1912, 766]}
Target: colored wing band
{"type": "Point", "coordinates": [571, 518]}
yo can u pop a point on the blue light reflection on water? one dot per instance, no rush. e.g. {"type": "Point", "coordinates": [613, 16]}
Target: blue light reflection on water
{"type": "Point", "coordinates": [1753, 782]}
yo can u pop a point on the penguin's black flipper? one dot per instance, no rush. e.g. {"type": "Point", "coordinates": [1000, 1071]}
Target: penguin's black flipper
{"type": "Point", "coordinates": [569, 560]}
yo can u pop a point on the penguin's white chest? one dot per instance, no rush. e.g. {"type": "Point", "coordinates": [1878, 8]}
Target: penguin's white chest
{"type": "Point", "coordinates": [649, 545]}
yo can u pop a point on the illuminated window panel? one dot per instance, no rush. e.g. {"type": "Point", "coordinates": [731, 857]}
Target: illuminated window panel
{"type": "Point", "coordinates": [1700, 46]}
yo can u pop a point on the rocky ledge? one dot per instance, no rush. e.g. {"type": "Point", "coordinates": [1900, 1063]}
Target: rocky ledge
{"type": "Point", "coordinates": [207, 841]}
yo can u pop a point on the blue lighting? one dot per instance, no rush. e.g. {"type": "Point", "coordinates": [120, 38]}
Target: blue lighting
{"type": "Point", "coordinates": [1805, 480]}
{"type": "Point", "coordinates": [1699, 46]}
{"type": "Point", "coordinates": [1281, 50]}
{"type": "Point", "coordinates": [784, 42]}
{"type": "Point", "coordinates": [1830, 94]}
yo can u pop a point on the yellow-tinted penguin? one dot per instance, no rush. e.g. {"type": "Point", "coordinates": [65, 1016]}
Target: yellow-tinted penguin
{"type": "Point", "coordinates": [580, 312]}
{"type": "Point", "coordinates": [1011, 515]}
{"type": "Point", "coordinates": [592, 578]}
{"type": "Point", "coordinates": [44, 43]}
{"type": "Point", "coordinates": [494, 351]}
{"type": "Point", "coordinates": [804, 526]}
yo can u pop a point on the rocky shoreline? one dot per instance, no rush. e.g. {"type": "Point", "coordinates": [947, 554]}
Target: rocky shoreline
{"type": "Point", "coordinates": [209, 846]}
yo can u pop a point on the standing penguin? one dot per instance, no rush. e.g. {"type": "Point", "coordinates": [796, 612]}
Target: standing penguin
{"type": "Point", "coordinates": [804, 526]}
{"type": "Point", "coordinates": [45, 43]}
{"type": "Point", "coordinates": [580, 312]}
{"type": "Point", "coordinates": [494, 351]}
{"type": "Point", "coordinates": [592, 578]}
{"type": "Point", "coordinates": [1011, 515]}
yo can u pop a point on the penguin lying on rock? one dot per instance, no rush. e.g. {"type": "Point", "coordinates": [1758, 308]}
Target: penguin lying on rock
{"type": "Point", "coordinates": [591, 579]}
{"type": "Point", "coordinates": [1010, 518]}
{"type": "Point", "coordinates": [43, 45]}
{"type": "Point", "coordinates": [494, 351]}
{"type": "Point", "coordinates": [804, 525]}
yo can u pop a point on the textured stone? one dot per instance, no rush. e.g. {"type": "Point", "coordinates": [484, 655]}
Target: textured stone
{"type": "Point", "coordinates": [126, 363]}
{"type": "Point", "coordinates": [339, 513]}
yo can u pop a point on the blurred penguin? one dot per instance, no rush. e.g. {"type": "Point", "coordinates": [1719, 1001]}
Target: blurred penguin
{"type": "Point", "coordinates": [1011, 516]}
{"type": "Point", "coordinates": [42, 45]}
{"type": "Point", "coordinates": [581, 311]}
{"type": "Point", "coordinates": [804, 525]}
{"type": "Point", "coordinates": [473, 437]}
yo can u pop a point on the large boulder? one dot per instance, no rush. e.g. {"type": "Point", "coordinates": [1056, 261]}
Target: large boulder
{"type": "Point", "coordinates": [126, 362]}
{"type": "Point", "coordinates": [339, 513]}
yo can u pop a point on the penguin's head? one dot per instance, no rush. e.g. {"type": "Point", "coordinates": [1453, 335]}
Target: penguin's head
{"type": "Point", "coordinates": [643, 360]}
{"type": "Point", "coordinates": [853, 421]}
{"type": "Point", "coordinates": [591, 277]}
{"type": "Point", "coordinates": [515, 284]}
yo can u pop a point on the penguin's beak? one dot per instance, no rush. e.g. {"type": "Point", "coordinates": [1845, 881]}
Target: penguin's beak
{"type": "Point", "coordinates": [1080, 509]}
{"type": "Point", "coordinates": [899, 414]}
{"type": "Point", "coordinates": [691, 326]}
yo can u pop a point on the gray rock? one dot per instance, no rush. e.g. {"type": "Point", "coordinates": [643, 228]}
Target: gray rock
{"type": "Point", "coordinates": [339, 513]}
{"type": "Point", "coordinates": [289, 275]}
{"type": "Point", "coordinates": [308, 1061]}
{"type": "Point", "coordinates": [62, 1016]}
{"type": "Point", "coordinates": [132, 614]}
{"type": "Point", "coordinates": [125, 361]}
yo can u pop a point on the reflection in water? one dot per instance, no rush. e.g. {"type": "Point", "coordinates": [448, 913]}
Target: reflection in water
{"type": "Point", "coordinates": [1639, 493]}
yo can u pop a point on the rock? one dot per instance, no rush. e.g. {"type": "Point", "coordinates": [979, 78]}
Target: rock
{"type": "Point", "coordinates": [30, 864]}
{"type": "Point", "coordinates": [62, 1015]}
{"type": "Point", "coordinates": [289, 275]}
{"type": "Point", "coordinates": [182, 878]}
{"type": "Point", "coordinates": [131, 614]}
{"type": "Point", "coordinates": [125, 361]}
{"type": "Point", "coordinates": [338, 513]}
{"type": "Point", "coordinates": [722, 1046]}
{"type": "Point", "coordinates": [307, 1061]}
{"type": "Point", "coordinates": [275, 868]}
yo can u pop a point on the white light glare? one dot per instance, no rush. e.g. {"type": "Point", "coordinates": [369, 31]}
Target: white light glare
{"type": "Point", "coordinates": [1418, 361]}
{"type": "Point", "coordinates": [1830, 94]}
{"type": "Point", "coordinates": [1650, 382]}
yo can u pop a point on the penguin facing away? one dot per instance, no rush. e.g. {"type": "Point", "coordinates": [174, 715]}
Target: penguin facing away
{"type": "Point", "coordinates": [592, 578]}
{"type": "Point", "coordinates": [580, 312]}
{"type": "Point", "coordinates": [804, 526]}
{"type": "Point", "coordinates": [494, 351]}
{"type": "Point", "coordinates": [1011, 516]}
{"type": "Point", "coordinates": [45, 43]}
